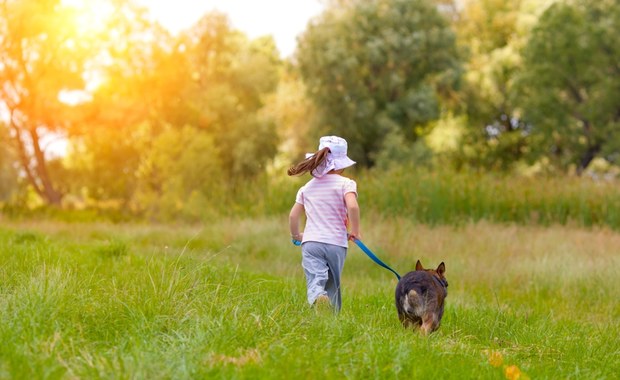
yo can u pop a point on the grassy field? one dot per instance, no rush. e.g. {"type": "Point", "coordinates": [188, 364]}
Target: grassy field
{"type": "Point", "coordinates": [439, 197]}
{"type": "Point", "coordinates": [227, 300]}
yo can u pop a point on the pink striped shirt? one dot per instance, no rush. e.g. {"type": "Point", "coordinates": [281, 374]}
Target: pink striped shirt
{"type": "Point", "coordinates": [326, 211]}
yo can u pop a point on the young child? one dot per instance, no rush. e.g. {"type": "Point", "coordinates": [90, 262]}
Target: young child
{"type": "Point", "coordinates": [329, 201]}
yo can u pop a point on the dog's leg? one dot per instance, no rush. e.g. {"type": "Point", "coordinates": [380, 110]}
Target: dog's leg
{"type": "Point", "coordinates": [404, 320]}
{"type": "Point", "coordinates": [409, 321]}
{"type": "Point", "coordinates": [429, 323]}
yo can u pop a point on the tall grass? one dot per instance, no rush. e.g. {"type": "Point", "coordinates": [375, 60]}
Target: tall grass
{"type": "Point", "coordinates": [429, 197]}
{"type": "Point", "coordinates": [449, 198]}
{"type": "Point", "coordinates": [442, 197]}
{"type": "Point", "coordinates": [227, 300]}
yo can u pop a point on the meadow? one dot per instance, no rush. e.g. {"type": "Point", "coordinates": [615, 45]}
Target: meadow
{"type": "Point", "coordinates": [226, 299]}
{"type": "Point", "coordinates": [144, 200]}
{"type": "Point", "coordinates": [430, 197]}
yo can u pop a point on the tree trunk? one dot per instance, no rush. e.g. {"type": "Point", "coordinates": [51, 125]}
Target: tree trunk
{"type": "Point", "coordinates": [50, 194]}
{"type": "Point", "coordinates": [38, 176]}
{"type": "Point", "coordinates": [587, 157]}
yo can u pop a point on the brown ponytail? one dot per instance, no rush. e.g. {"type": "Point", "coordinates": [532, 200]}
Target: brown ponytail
{"type": "Point", "coordinates": [309, 164]}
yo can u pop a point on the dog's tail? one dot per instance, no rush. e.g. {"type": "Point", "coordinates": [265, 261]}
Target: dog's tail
{"type": "Point", "coordinates": [414, 304]}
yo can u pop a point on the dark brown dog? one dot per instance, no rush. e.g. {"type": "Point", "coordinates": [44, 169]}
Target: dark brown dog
{"type": "Point", "coordinates": [420, 296]}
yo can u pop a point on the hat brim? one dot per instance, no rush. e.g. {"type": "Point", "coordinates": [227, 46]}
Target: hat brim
{"type": "Point", "coordinates": [343, 163]}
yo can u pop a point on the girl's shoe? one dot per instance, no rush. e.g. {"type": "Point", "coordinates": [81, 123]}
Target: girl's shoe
{"type": "Point", "coordinates": [322, 304]}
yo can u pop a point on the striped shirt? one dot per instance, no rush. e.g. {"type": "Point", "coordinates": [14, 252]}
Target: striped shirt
{"type": "Point", "coordinates": [326, 211]}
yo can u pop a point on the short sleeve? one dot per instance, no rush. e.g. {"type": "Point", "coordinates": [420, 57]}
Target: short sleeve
{"type": "Point", "coordinates": [350, 186]}
{"type": "Point", "coordinates": [299, 198]}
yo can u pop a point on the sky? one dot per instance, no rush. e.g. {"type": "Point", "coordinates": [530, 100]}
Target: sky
{"type": "Point", "coordinates": [283, 19]}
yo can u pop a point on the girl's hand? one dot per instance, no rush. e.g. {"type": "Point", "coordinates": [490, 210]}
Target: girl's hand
{"type": "Point", "coordinates": [354, 236]}
{"type": "Point", "coordinates": [297, 238]}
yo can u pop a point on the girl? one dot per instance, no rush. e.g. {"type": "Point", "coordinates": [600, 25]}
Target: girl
{"type": "Point", "coordinates": [329, 201]}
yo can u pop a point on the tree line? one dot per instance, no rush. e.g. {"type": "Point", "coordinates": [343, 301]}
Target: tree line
{"type": "Point", "coordinates": [149, 118]}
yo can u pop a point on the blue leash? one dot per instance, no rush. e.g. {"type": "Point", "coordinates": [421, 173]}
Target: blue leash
{"type": "Point", "coordinates": [374, 258]}
{"type": "Point", "coordinates": [368, 252]}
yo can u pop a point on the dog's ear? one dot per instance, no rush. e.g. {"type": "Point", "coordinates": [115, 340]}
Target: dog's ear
{"type": "Point", "coordinates": [418, 266]}
{"type": "Point", "coordinates": [441, 269]}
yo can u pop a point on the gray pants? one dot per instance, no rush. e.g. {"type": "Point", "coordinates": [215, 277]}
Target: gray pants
{"type": "Point", "coordinates": [323, 265]}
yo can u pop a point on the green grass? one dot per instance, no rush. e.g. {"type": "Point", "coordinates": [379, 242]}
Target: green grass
{"type": "Point", "coordinates": [227, 300]}
{"type": "Point", "coordinates": [453, 198]}
{"type": "Point", "coordinates": [443, 197]}
{"type": "Point", "coordinates": [429, 197]}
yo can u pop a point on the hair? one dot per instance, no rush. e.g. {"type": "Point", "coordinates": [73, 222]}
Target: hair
{"type": "Point", "coordinates": [309, 164]}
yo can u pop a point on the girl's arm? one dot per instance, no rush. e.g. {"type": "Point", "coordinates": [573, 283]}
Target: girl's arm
{"type": "Point", "coordinates": [293, 221]}
{"type": "Point", "coordinates": [353, 211]}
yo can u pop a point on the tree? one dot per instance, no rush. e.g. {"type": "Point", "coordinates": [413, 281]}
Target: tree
{"type": "Point", "coordinates": [492, 33]}
{"type": "Point", "coordinates": [570, 84]}
{"type": "Point", "coordinates": [210, 82]}
{"type": "Point", "coordinates": [180, 174]}
{"type": "Point", "coordinates": [41, 57]}
{"type": "Point", "coordinates": [293, 114]}
{"type": "Point", "coordinates": [229, 80]}
{"type": "Point", "coordinates": [377, 68]}
{"type": "Point", "coordinates": [139, 73]}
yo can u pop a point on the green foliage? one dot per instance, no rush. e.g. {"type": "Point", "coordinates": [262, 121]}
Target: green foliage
{"type": "Point", "coordinates": [149, 134]}
{"type": "Point", "coordinates": [294, 116]}
{"type": "Point", "coordinates": [228, 301]}
{"type": "Point", "coordinates": [180, 175]}
{"type": "Point", "coordinates": [492, 32]}
{"type": "Point", "coordinates": [570, 77]}
{"type": "Point", "coordinates": [187, 127]}
{"type": "Point", "coordinates": [457, 198]}
{"type": "Point", "coordinates": [41, 57]}
{"type": "Point", "coordinates": [488, 25]}
{"type": "Point", "coordinates": [444, 197]}
{"type": "Point", "coordinates": [375, 68]}
{"type": "Point", "coordinates": [229, 80]}
{"type": "Point", "coordinates": [403, 152]}
{"type": "Point", "coordinates": [102, 164]}
{"type": "Point", "coordinates": [125, 111]}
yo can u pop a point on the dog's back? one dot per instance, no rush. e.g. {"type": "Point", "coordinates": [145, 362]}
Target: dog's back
{"type": "Point", "coordinates": [420, 298]}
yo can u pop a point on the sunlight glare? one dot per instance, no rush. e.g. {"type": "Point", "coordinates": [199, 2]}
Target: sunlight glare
{"type": "Point", "coordinates": [91, 15]}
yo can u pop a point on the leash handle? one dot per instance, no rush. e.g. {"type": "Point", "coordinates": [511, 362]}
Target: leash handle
{"type": "Point", "coordinates": [374, 258]}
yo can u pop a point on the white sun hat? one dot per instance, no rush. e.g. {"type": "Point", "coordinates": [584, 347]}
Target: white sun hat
{"type": "Point", "coordinates": [336, 158]}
